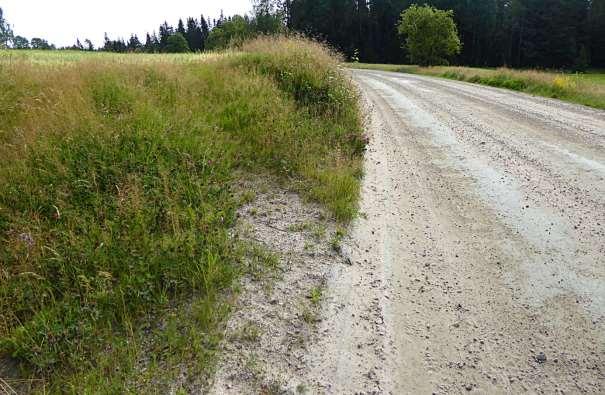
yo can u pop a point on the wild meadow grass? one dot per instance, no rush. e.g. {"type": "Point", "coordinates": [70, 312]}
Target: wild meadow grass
{"type": "Point", "coordinates": [117, 197]}
{"type": "Point", "coordinates": [49, 58]}
{"type": "Point", "coordinates": [582, 88]}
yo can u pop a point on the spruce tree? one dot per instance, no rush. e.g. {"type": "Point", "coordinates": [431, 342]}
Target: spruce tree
{"type": "Point", "coordinates": [597, 33]}
{"type": "Point", "coordinates": [165, 32]}
{"type": "Point", "coordinates": [148, 47]}
{"type": "Point", "coordinates": [205, 30]}
{"type": "Point", "coordinates": [181, 28]}
{"type": "Point", "coordinates": [134, 44]}
{"type": "Point", "coordinates": [107, 44]}
{"type": "Point", "coordinates": [89, 45]}
{"type": "Point", "coordinates": [194, 35]}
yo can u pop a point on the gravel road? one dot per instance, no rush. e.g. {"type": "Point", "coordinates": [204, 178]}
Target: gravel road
{"type": "Point", "coordinates": [479, 261]}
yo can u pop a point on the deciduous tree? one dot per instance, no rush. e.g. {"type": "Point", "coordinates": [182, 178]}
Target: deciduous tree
{"type": "Point", "coordinates": [6, 33]}
{"type": "Point", "coordinates": [40, 43]}
{"type": "Point", "coordinates": [431, 35]}
{"type": "Point", "coordinates": [176, 43]}
{"type": "Point", "coordinates": [229, 32]}
{"type": "Point", "coordinates": [20, 42]}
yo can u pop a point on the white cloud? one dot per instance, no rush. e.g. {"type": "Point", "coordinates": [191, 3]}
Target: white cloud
{"type": "Point", "coordinates": [62, 21]}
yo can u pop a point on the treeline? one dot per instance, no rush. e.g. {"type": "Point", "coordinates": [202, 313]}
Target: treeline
{"type": "Point", "coordinates": [192, 35]}
{"type": "Point", "coordinates": [516, 33]}
{"type": "Point", "coordinates": [198, 35]}
{"type": "Point", "coordinates": [9, 40]}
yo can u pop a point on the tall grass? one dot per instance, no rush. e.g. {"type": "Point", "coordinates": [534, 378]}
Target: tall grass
{"type": "Point", "coordinates": [116, 195]}
{"type": "Point", "coordinates": [586, 89]}
{"type": "Point", "coordinates": [309, 73]}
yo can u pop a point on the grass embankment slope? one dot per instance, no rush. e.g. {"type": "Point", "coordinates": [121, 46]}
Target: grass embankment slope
{"type": "Point", "coordinates": [587, 89]}
{"type": "Point", "coordinates": [117, 196]}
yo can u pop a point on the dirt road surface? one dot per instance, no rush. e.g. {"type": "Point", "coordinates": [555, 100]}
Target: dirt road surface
{"type": "Point", "coordinates": [478, 264]}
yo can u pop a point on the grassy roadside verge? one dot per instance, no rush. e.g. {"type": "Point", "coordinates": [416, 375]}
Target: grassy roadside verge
{"type": "Point", "coordinates": [116, 199]}
{"type": "Point", "coordinates": [587, 89]}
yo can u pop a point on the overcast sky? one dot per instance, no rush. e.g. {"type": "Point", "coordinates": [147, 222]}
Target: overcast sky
{"type": "Point", "coordinates": [62, 21]}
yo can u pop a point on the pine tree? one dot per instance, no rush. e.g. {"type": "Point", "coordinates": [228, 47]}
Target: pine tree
{"type": "Point", "coordinates": [205, 30]}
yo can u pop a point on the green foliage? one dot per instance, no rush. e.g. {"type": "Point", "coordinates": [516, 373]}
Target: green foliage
{"type": "Point", "coordinates": [232, 32]}
{"type": "Point", "coordinates": [268, 17]}
{"type": "Point", "coordinates": [513, 33]}
{"type": "Point", "coordinates": [176, 43]}
{"type": "Point", "coordinates": [116, 197]}
{"type": "Point", "coordinates": [40, 43]}
{"type": "Point", "coordinates": [196, 34]}
{"type": "Point", "coordinates": [499, 81]}
{"type": "Point", "coordinates": [6, 33]}
{"type": "Point", "coordinates": [20, 42]}
{"type": "Point", "coordinates": [431, 35]}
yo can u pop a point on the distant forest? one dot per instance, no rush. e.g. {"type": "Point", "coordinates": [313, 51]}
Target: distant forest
{"type": "Point", "coordinates": [567, 34]}
{"type": "Point", "coordinates": [515, 33]}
